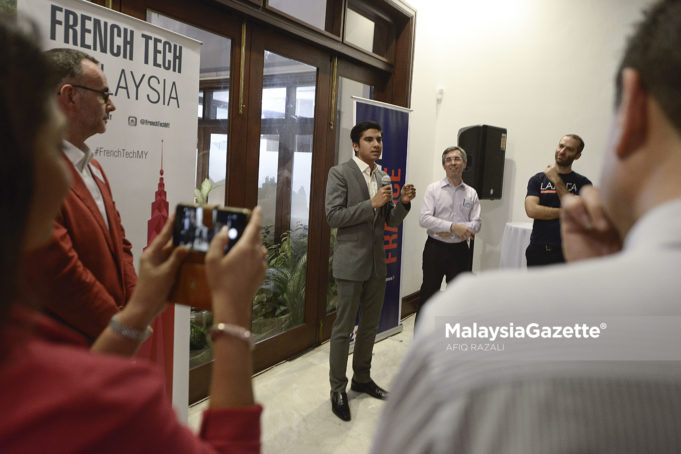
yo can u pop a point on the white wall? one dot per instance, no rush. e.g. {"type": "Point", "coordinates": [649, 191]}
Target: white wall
{"type": "Point", "coordinates": [540, 68]}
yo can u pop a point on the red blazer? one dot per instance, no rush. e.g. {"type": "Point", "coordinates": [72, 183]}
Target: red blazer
{"type": "Point", "coordinates": [87, 270]}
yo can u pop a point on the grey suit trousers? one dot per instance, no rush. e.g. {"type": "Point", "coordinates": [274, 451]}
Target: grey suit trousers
{"type": "Point", "coordinates": [358, 266]}
{"type": "Point", "coordinates": [367, 296]}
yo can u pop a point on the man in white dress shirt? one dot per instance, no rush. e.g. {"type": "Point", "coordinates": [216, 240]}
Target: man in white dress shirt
{"type": "Point", "coordinates": [614, 387]}
{"type": "Point", "coordinates": [451, 215]}
{"type": "Point", "coordinates": [359, 205]}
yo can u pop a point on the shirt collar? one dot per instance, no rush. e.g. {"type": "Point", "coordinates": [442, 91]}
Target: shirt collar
{"type": "Point", "coordinates": [445, 182]}
{"type": "Point", "coordinates": [660, 226]}
{"type": "Point", "coordinates": [364, 167]}
{"type": "Point", "coordinates": [79, 158]}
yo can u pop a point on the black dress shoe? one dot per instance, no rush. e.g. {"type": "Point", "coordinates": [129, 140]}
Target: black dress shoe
{"type": "Point", "coordinates": [339, 405]}
{"type": "Point", "coordinates": [370, 388]}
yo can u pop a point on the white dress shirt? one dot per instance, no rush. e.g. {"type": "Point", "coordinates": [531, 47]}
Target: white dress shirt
{"type": "Point", "coordinates": [81, 161]}
{"type": "Point", "coordinates": [618, 395]}
{"type": "Point", "coordinates": [445, 204]}
{"type": "Point", "coordinates": [368, 175]}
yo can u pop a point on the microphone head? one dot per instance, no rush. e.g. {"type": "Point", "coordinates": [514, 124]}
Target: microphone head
{"type": "Point", "coordinates": [385, 179]}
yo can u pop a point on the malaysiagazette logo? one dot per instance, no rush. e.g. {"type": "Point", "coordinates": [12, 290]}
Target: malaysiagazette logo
{"type": "Point", "coordinates": [532, 330]}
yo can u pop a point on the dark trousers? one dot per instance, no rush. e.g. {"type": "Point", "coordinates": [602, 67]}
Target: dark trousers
{"type": "Point", "coordinates": [441, 260]}
{"type": "Point", "coordinates": [367, 297]}
{"type": "Point", "coordinates": [543, 254]}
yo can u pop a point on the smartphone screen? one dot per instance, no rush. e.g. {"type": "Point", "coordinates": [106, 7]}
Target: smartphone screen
{"type": "Point", "coordinates": [195, 226]}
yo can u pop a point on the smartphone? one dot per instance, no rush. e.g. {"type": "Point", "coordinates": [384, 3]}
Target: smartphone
{"type": "Point", "coordinates": [196, 225]}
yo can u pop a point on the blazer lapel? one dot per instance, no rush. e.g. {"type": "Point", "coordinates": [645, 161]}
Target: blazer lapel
{"type": "Point", "coordinates": [81, 191]}
{"type": "Point", "coordinates": [359, 178]}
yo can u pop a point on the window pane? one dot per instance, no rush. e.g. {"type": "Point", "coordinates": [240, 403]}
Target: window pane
{"type": "Point", "coordinates": [217, 166]}
{"type": "Point", "coordinates": [200, 113]}
{"type": "Point", "coordinates": [359, 30]}
{"type": "Point", "coordinates": [305, 102]}
{"type": "Point", "coordinates": [274, 102]}
{"type": "Point", "coordinates": [219, 105]}
{"type": "Point", "coordinates": [285, 170]}
{"type": "Point", "coordinates": [368, 27]}
{"type": "Point", "coordinates": [312, 12]}
{"type": "Point", "coordinates": [267, 181]}
{"type": "Point", "coordinates": [300, 182]}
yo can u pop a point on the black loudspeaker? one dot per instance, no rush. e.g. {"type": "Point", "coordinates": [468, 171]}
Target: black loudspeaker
{"type": "Point", "coordinates": [486, 149]}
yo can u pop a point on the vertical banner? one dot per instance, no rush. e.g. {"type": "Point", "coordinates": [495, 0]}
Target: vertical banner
{"type": "Point", "coordinates": [154, 77]}
{"type": "Point", "coordinates": [395, 123]}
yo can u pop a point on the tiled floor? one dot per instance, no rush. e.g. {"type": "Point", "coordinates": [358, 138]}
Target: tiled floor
{"type": "Point", "coordinates": [295, 394]}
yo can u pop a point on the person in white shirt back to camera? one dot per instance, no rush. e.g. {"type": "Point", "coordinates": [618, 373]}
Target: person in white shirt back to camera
{"type": "Point", "coordinates": [604, 373]}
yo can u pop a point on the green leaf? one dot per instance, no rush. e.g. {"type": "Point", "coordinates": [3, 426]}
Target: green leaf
{"type": "Point", "coordinates": [206, 187]}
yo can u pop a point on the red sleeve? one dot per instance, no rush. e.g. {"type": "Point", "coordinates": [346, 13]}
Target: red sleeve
{"type": "Point", "coordinates": [72, 284]}
{"type": "Point", "coordinates": [150, 424]}
{"type": "Point", "coordinates": [235, 430]}
{"type": "Point", "coordinates": [67, 400]}
{"type": "Point", "coordinates": [129, 273]}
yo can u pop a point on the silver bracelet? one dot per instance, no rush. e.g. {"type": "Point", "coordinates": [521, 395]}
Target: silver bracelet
{"type": "Point", "coordinates": [236, 331]}
{"type": "Point", "coordinates": [139, 335]}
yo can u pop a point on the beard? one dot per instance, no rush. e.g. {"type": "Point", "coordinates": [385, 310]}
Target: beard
{"type": "Point", "coordinates": [567, 161]}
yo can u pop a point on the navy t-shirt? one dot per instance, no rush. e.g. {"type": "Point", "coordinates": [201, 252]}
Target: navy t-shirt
{"type": "Point", "coordinates": [548, 232]}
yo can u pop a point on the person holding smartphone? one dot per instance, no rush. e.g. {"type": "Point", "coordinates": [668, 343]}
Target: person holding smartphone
{"type": "Point", "coordinates": [63, 398]}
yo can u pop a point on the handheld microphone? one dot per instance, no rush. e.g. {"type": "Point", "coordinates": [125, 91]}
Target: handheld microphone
{"type": "Point", "coordinates": [385, 180]}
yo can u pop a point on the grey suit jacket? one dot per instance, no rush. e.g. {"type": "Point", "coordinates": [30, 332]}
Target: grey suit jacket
{"type": "Point", "coordinates": [359, 241]}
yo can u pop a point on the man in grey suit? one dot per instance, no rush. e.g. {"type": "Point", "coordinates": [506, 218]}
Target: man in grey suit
{"type": "Point", "coordinates": [359, 202]}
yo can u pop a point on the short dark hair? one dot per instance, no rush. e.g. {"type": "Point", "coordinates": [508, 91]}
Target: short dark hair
{"type": "Point", "coordinates": [66, 64]}
{"type": "Point", "coordinates": [359, 128]}
{"type": "Point", "coordinates": [455, 148]}
{"type": "Point", "coordinates": [654, 51]}
{"type": "Point", "coordinates": [25, 87]}
{"type": "Point", "coordinates": [580, 147]}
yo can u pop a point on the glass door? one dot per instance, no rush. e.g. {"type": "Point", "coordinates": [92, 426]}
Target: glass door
{"type": "Point", "coordinates": [288, 104]}
{"type": "Point", "coordinates": [284, 174]}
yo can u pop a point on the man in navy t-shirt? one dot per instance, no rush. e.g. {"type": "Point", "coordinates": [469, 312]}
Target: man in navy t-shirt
{"type": "Point", "coordinates": [542, 202]}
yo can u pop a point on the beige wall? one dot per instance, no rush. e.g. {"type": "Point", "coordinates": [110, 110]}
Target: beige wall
{"type": "Point", "coordinates": [540, 68]}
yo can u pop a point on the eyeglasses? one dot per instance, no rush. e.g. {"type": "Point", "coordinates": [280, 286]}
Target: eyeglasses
{"type": "Point", "coordinates": [455, 159]}
{"type": "Point", "coordinates": [104, 93]}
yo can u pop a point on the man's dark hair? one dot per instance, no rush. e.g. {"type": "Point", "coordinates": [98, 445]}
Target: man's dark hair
{"type": "Point", "coordinates": [654, 51]}
{"type": "Point", "coordinates": [580, 147]}
{"type": "Point", "coordinates": [359, 128]}
{"type": "Point", "coordinates": [26, 86]}
{"type": "Point", "coordinates": [66, 64]}
{"type": "Point", "coordinates": [450, 149]}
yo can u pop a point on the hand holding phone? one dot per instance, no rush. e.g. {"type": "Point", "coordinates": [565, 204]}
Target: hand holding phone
{"type": "Point", "coordinates": [195, 226]}
{"type": "Point", "coordinates": [234, 278]}
{"type": "Point", "coordinates": [157, 272]}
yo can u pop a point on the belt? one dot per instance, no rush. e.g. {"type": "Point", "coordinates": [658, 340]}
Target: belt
{"type": "Point", "coordinates": [549, 247]}
{"type": "Point", "coordinates": [444, 243]}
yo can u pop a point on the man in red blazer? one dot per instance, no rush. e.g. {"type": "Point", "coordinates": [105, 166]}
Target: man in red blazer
{"type": "Point", "coordinates": [87, 271]}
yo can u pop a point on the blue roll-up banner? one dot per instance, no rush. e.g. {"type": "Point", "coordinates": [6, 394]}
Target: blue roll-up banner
{"type": "Point", "coordinates": [395, 123]}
